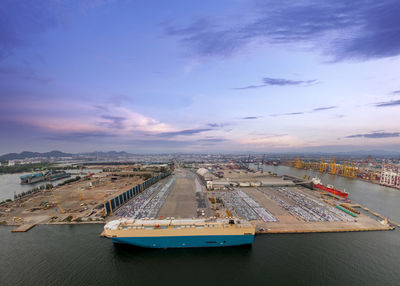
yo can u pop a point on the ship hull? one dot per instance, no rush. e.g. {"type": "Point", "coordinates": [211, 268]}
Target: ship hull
{"type": "Point", "coordinates": [31, 181]}
{"type": "Point", "coordinates": [332, 191]}
{"type": "Point", "coordinates": [54, 178]}
{"type": "Point", "coordinates": [187, 241]}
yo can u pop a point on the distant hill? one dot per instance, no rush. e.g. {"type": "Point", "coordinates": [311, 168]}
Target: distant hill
{"type": "Point", "coordinates": [58, 154]}
{"type": "Point", "coordinates": [28, 154]}
{"type": "Point", "coordinates": [106, 154]}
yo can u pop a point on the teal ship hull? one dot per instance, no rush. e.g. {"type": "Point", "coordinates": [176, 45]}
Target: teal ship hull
{"type": "Point", "coordinates": [187, 241]}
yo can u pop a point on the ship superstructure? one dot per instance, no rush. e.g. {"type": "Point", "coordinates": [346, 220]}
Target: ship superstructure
{"type": "Point", "coordinates": [178, 233]}
{"type": "Point", "coordinates": [32, 178]}
{"type": "Point", "coordinates": [57, 175]}
{"type": "Point", "coordinates": [51, 175]}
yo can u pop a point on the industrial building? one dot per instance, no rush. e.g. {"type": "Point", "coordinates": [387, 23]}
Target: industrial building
{"type": "Point", "coordinates": [390, 176]}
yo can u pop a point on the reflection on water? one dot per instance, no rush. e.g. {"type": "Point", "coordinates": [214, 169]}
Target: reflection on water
{"type": "Point", "coordinates": [76, 255]}
{"type": "Point", "coordinates": [124, 251]}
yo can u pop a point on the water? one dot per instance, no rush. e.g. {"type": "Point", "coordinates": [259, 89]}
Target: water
{"type": "Point", "coordinates": [76, 255]}
{"type": "Point", "coordinates": [10, 183]}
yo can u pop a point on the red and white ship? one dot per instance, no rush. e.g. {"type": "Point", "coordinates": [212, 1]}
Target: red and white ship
{"type": "Point", "coordinates": [329, 188]}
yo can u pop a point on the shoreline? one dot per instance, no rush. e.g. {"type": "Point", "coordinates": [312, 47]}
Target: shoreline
{"type": "Point", "coordinates": [27, 227]}
{"type": "Point", "coordinates": [43, 208]}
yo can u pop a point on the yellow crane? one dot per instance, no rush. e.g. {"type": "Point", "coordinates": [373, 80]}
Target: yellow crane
{"type": "Point", "coordinates": [58, 204]}
{"type": "Point", "coordinates": [322, 166]}
{"type": "Point", "coordinates": [333, 168]}
{"type": "Point", "coordinates": [353, 170]}
{"type": "Point", "coordinates": [348, 169]}
{"type": "Point", "coordinates": [80, 193]}
{"type": "Point", "coordinates": [298, 164]}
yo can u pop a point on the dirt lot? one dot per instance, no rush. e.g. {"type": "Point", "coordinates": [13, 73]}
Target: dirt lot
{"type": "Point", "coordinates": [181, 202]}
{"type": "Point", "coordinates": [82, 199]}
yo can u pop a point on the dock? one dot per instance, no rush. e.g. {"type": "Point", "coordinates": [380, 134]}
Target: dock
{"type": "Point", "coordinates": [363, 224]}
{"type": "Point", "coordinates": [377, 214]}
{"type": "Point", "coordinates": [299, 181]}
{"type": "Point", "coordinates": [23, 228]}
{"type": "Point", "coordinates": [324, 229]}
{"type": "Point", "coordinates": [274, 204]}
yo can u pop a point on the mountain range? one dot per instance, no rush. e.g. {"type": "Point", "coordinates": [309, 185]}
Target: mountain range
{"type": "Point", "coordinates": [58, 154]}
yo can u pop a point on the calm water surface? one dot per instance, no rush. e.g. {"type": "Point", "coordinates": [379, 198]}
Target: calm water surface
{"type": "Point", "coordinates": [76, 255]}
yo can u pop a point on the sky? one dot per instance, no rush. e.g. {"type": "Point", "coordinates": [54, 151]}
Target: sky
{"type": "Point", "coordinates": [199, 76]}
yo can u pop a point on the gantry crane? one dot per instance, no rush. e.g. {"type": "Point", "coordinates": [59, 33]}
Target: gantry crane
{"type": "Point", "coordinates": [322, 166]}
{"type": "Point", "coordinates": [332, 166]}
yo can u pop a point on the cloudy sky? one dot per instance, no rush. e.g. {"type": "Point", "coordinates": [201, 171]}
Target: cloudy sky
{"type": "Point", "coordinates": [217, 76]}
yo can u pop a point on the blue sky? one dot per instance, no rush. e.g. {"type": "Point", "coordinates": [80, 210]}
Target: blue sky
{"type": "Point", "coordinates": [210, 76]}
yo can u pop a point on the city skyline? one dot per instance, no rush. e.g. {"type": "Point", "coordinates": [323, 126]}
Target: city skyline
{"type": "Point", "coordinates": [226, 76]}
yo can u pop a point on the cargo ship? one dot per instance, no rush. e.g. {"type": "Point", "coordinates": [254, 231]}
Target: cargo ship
{"type": "Point", "coordinates": [180, 233]}
{"type": "Point", "coordinates": [40, 177]}
{"type": "Point", "coordinates": [32, 178]}
{"type": "Point", "coordinates": [329, 188]}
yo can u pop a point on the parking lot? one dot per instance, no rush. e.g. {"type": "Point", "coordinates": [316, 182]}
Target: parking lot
{"type": "Point", "coordinates": [272, 209]}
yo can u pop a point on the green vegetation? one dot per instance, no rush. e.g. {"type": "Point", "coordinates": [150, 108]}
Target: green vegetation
{"type": "Point", "coordinates": [77, 178]}
{"type": "Point", "coordinates": [24, 168]}
{"type": "Point", "coordinates": [33, 191]}
{"type": "Point", "coordinates": [68, 218]}
{"type": "Point", "coordinates": [35, 167]}
{"type": "Point", "coordinates": [122, 175]}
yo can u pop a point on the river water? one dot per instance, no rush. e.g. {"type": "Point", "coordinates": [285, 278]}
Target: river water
{"type": "Point", "coordinates": [10, 183]}
{"type": "Point", "coordinates": [76, 255]}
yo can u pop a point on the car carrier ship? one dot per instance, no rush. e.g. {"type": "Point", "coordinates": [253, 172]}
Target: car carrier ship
{"type": "Point", "coordinates": [180, 233]}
